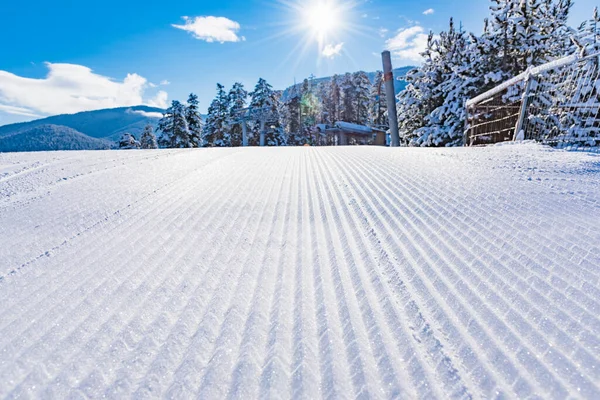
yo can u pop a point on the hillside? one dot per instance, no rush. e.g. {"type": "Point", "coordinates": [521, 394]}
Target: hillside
{"type": "Point", "coordinates": [106, 124]}
{"type": "Point", "coordinates": [399, 84]}
{"type": "Point", "coordinates": [339, 272]}
{"type": "Point", "coordinates": [51, 137]}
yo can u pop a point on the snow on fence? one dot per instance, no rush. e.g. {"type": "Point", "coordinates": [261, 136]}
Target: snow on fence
{"type": "Point", "coordinates": [556, 103]}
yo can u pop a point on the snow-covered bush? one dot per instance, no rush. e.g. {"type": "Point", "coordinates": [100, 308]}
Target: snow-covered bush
{"type": "Point", "coordinates": [128, 141]}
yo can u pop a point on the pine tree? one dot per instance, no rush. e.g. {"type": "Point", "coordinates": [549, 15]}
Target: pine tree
{"type": "Point", "coordinates": [237, 102]}
{"type": "Point", "coordinates": [526, 33]}
{"type": "Point", "coordinates": [216, 129]}
{"type": "Point", "coordinates": [455, 60]}
{"type": "Point", "coordinates": [377, 102]}
{"type": "Point", "coordinates": [310, 105]}
{"type": "Point", "coordinates": [332, 100]}
{"type": "Point", "coordinates": [348, 101]}
{"type": "Point", "coordinates": [265, 107]}
{"type": "Point", "coordinates": [174, 127]}
{"type": "Point", "coordinates": [362, 86]}
{"type": "Point", "coordinates": [586, 39]}
{"type": "Point", "coordinates": [419, 98]}
{"type": "Point", "coordinates": [148, 139]}
{"type": "Point", "coordinates": [291, 118]}
{"type": "Point", "coordinates": [194, 120]}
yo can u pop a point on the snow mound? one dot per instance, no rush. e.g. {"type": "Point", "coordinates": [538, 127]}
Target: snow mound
{"type": "Point", "coordinates": [300, 273]}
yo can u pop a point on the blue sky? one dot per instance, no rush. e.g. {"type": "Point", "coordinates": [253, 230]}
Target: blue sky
{"type": "Point", "coordinates": [68, 56]}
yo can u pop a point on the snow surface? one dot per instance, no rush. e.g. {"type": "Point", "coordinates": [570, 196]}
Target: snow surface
{"type": "Point", "coordinates": [300, 272]}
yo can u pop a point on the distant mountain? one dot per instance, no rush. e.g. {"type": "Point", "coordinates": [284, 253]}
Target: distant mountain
{"type": "Point", "coordinates": [106, 124]}
{"type": "Point", "coordinates": [51, 137]}
{"type": "Point", "coordinates": [399, 83]}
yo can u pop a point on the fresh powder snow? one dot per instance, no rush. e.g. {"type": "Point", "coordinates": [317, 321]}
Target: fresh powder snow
{"type": "Point", "coordinates": [300, 273]}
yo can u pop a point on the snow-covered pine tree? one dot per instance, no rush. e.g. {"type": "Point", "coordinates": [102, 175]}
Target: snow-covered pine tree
{"type": "Point", "coordinates": [502, 37]}
{"type": "Point", "coordinates": [586, 39]}
{"type": "Point", "coordinates": [377, 102]}
{"type": "Point", "coordinates": [291, 118]}
{"type": "Point", "coordinates": [419, 98]}
{"type": "Point", "coordinates": [310, 105]}
{"type": "Point", "coordinates": [265, 106]}
{"type": "Point", "coordinates": [332, 100]}
{"type": "Point", "coordinates": [362, 86]}
{"type": "Point", "coordinates": [174, 127]}
{"type": "Point", "coordinates": [194, 120]}
{"type": "Point", "coordinates": [456, 61]}
{"type": "Point", "coordinates": [348, 101]}
{"type": "Point", "coordinates": [148, 139]}
{"type": "Point", "coordinates": [322, 94]}
{"type": "Point", "coordinates": [275, 133]}
{"type": "Point", "coordinates": [237, 102]}
{"type": "Point", "coordinates": [526, 33]}
{"type": "Point", "coordinates": [128, 141]}
{"type": "Point", "coordinates": [215, 132]}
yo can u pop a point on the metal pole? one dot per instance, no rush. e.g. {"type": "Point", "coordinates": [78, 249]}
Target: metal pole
{"type": "Point", "coordinates": [244, 133]}
{"type": "Point", "coordinates": [390, 94]}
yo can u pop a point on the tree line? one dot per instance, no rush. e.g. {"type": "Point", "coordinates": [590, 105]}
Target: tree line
{"type": "Point", "coordinates": [287, 117]}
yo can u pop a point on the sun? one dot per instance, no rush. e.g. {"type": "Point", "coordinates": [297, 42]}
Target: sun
{"type": "Point", "coordinates": [328, 24]}
{"type": "Point", "coordinates": [322, 18]}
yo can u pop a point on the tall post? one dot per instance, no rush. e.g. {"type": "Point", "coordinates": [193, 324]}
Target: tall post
{"type": "Point", "coordinates": [244, 133]}
{"type": "Point", "coordinates": [390, 94]}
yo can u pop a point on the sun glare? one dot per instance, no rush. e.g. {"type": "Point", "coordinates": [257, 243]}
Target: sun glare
{"type": "Point", "coordinates": [328, 24]}
{"type": "Point", "coordinates": [322, 18]}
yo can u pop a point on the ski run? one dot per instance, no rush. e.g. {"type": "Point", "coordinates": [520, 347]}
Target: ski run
{"type": "Point", "coordinates": [340, 272]}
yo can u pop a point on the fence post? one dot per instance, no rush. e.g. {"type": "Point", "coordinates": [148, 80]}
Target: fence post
{"type": "Point", "coordinates": [466, 128]}
{"type": "Point", "coordinates": [523, 111]}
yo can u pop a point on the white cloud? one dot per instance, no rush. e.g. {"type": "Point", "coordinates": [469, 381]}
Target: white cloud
{"type": "Point", "coordinates": [70, 88]}
{"type": "Point", "coordinates": [212, 29]}
{"type": "Point", "coordinates": [330, 50]}
{"type": "Point", "coordinates": [429, 11]}
{"type": "Point", "coordinates": [18, 111]}
{"type": "Point", "coordinates": [408, 44]}
{"type": "Point", "coordinates": [165, 82]}
{"type": "Point", "coordinates": [383, 32]}
{"type": "Point", "coordinates": [148, 114]}
{"type": "Point", "coordinates": [159, 100]}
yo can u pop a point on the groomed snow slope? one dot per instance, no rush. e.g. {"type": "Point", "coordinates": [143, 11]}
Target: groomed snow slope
{"type": "Point", "coordinates": [300, 272]}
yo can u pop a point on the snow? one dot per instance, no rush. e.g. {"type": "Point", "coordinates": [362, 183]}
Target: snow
{"type": "Point", "coordinates": [300, 273]}
{"type": "Point", "coordinates": [353, 127]}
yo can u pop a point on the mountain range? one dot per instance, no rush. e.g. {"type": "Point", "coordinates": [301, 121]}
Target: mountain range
{"type": "Point", "coordinates": [100, 129]}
